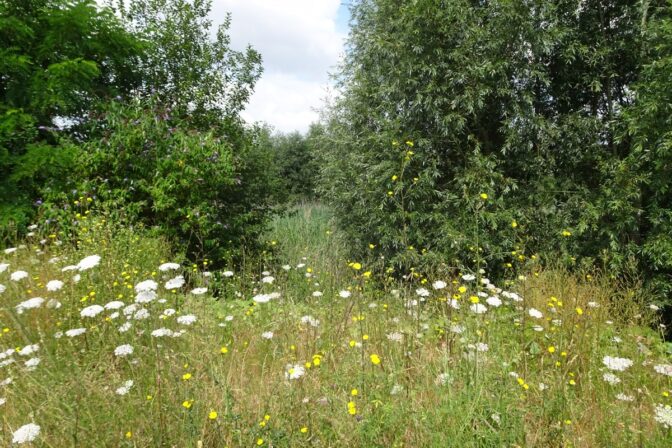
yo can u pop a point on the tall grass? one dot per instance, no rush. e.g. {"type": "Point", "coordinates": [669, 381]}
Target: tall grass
{"type": "Point", "coordinates": [389, 365]}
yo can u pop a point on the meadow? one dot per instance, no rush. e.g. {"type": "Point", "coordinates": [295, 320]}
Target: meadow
{"type": "Point", "coordinates": [112, 342]}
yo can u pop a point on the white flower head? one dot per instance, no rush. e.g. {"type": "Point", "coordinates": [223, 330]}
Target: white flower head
{"type": "Point", "coordinates": [268, 279]}
{"type": "Point", "coordinates": [187, 319]}
{"type": "Point", "coordinates": [29, 304]}
{"type": "Point", "coordinates": [10, 250]}
{"type": "Point", "coordinates": [54, 285]}
{"type": "Point", "coordinates": [175, 283]}
{"type": "Point", "coordinates": [75, 332]}
{"type": "Point", "coordinates": [89, 262]}
{"type": "Point", "coordinates": [3, 267]}
{"type": "Point", "coordinates": [227, 273]}
{"type": "Point", "coordinates": [310, 320]}
{"type": "Point", "coordinates": [664, 415]}
{"type": "Point", "coordinates": [146, 285]}
{"type": "Point", "coordinates": [114, 305]}
{"type": "Point", "coordinates": [616, 364]}
{"type": "Point", "coordinates": [468, 277]}
{"type": "Point", "coordinates": [123, 350]}
{"type": "Point", "coordinates": [169, 267]}
{"type": "Point", "coordinates": [145, 296]}
{"type": "Point", "coordinates": [26, 433]}
{"type": "Point", "coordinates": [125, 388]}
{"type": "Point", "coordinates": [29, 349]}
{"type": "Point", "coordinates": [533, 312]}
{"type": "Point", "coordinates": [199, 291]}
{"type": "Point", "coordinates": [494, 301]}
{"type": "Point", "coordinates": [92, 311]}
{"type": "Point", "coordinates": [18, 276]}
{"type": "Point", "coordinates": [439, 284]}
{"type": "Point", "coordinates": [294, 371]}
{"type": "Point", "coordinates": [478, 308]}
{"type": "Point", "coordinates": [162, 332]}
{"type": "Point", "coordinates": [267, 335]}
{"type": "Point", "coordinates": [663, 369]}
{"type": "Point", "coordinates": [345, 294]}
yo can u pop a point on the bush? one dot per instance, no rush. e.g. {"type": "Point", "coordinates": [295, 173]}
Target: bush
{"type": "Point", "coordinates": [208, 191]}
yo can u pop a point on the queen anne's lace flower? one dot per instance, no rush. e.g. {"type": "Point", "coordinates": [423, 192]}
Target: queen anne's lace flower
{"type": "Point", "coordinates": [616, 364]}
{"type": "Point", "coordinates": [26, 433]}
{"type": "Point", "coordinates": [89, 262]}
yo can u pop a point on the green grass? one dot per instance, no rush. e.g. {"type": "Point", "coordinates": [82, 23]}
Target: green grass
{"type": "Point", "coordinates": [222, 363]}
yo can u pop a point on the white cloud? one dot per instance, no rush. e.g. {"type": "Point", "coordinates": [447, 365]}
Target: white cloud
{"type": "Point", "coordinates": [299, 42]}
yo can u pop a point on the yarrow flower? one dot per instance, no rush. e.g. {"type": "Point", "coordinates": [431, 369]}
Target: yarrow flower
{"type": "Point", "coordinates": [89, 262]}
{"type": "Point", "coordinates": [199, 291]}
{"type": "Point", "coordinates": [29, 304]}
{"type": "Point", "coordinates": [162, 332]}
{"type": "Point", "coordinates": [663, 369]}
{"type": "Point", "coordinates": [123, 350]}
{"type": "Point", "coordinates": [187, 319]}
{"type": "Point", "coordinates": [439, 284]}
{"type": "Point", "coordinates": [611, 378]}
{"type": "Point", "coordinates": [345, 294]}
{"type": "Point", "coordinates": [533, 312]}
{"type": "Point", "coordinates": [18, 275]}
{"type": "Point", "coordinates": [75, 332]}
{"type": "Point", "coordinates": [664, 415]}
{"type": "Point", "coordinates": [125, 388]}
{"type": "Point", "coordinates": [616, 364]}
{"type": "Point", "coordinates": [268, 279]}
{"type": "Point", "coordinates": [146, 285]}
{"type": "Point", "coordinates": [92, 311]}
{"type": "Point", "coordinates": [54, 285]}
{"type": "Point", "coordinates": [26, 433]}
{"type": "Point", "coordinates": [468, 277]}
{"type": "Point", "coordinates": [175, 283]}
{"type": "Point", "coordinates": [294, 371]}
{"type": "Point", "coordinates": [169, 267]}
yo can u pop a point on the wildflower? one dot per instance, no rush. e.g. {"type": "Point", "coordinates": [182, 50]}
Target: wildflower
{"type": "Point", "coordinates": [187, 404]}
{"type": "Point", "coordinates": [175, 283]}
{"type": "Point", "coordinates": [32, 363]}
{"type": "Point", "coordinates": [439, 284]}
{"type": "Point", "coordinates": [18, 275]}
{"type": "Point", "coordinates": [227, 274]}
{"type": "Point", "coordinates": [345, 294]}
{"type": "Point", "coordinates": [54, 285]}
{"type": "Point", "coordinates": [212, 415]}
{"type": "Point", "coordinates": [26, 433]}
{"type": "Point", "coordinates": [75, 332]}
{"type": "Point", "coordinates": [187, 319]}
{"type": "Point", "coordinates": [514, 224]}
{"type": "Point", "coordinates": [395, 336]}
{"type": "Point", "coordinates": [616, 364]}
{"type": "Point", "coordinates": [125, 388]}
{"type": "Point", "coordinates": [442, 379]}
{"type": "Point", "coordinates": [310, 320]}
{"type": "Point", "coordinates": [92, 311]}
{"type": "Point", "coordinates": [29, 304]}
{"type": "Point", "coordinates": [114, 305]}
{"type": "Point", "coordinates": [624, 397]}
{"type": "Point", "coordinates": [468, 278]}
{"type": "Point", "coordinates": [551, 349]}
{"type": "Point", "coordinates": [422, 292]}
{"type": "Point", "coordinates": [396, 389]}
{"type": "Point", "coordinates": [146, 285]}
{"type": "Point", "coordinates": [355, 266]}
{"type": "Point", "coordinates": [566, 233]}
{"type": "Point", "coordinates": [3, 267]}
{"type": "Point", "coordinates": [29, 350]}
{"type": "Point", "coordinates": [2, 288]}
{"type": "Point", "coordinates": [294, 371]}
{"type": "Point", "coordinates": [162, 332]}
{"type": "Point", "coordinates": [199, 291]}
{"type": "Point", "coordinates": [169, 267]}
{"type": "Point", "coordinates": [375, 359]}
{"type": "Point", "coordinates": [663, 369]}
{"type": "Point", "coordinates": [125, 327]}
{"type": "Point", "coordinates": [141, 314]}
{"type": "Point", "coordinates": [304, 430]}
{"type": "Point", "coordinates": [478, 308]}
{"type": "Point", "coordinates": [317, 293]}
{"type": "Point", "coordinates": [484, 196]}
{"type": "Point", "coordinates": [186, 377]}
{"type": "Point", "coordinates": [533, 312]}
{"type": "Point", "coordinates": [664, 415]}
{"type": "Point", "coordinates": [494, 301]}
{"type": "Point", "coordinates": [579, 311]}
{"type": "Point", "coordinates": [145, 296]}
{"type": "Point", "coordinates": [123, 350]}
{"type": "Point", "coordinates": [260, 442]}
{"type": "Point", "coordinates": [262, 298]}
{"type": "Point", "coordinates": [267, 335]}
{"type": "Point", "coordinates": [89, 262]}
{"type": "Point", "coordinates": [611, 378]}
{"type": "Point", "coordinates": [352, 408]}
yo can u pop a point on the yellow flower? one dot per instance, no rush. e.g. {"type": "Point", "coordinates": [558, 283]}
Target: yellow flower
{"type": "Point", "coordinates": [484, 196]}
{"type": "Point", "coordinates": [260, 442]}
{"type": "Point", "coordinates": [186, 376]}
{"type": "Point", "coordinates": [395, 177]}
{"type": "Point", "coordinates": [129, 434]}
{"type": "Point", "coordinates": [356, 266]}
{"type": "Point", "coordinates": [579, 311]}
{"type": "Point", "coordinates": [224, 350]}
{"type": "Point", "coordinates": [462, 289]}
{"type": "Point", "coordinates": [354, 392]}
{"type": "Point", "coordinates": [212, 415]}
{"type": "Point", "coordinates": [474, 299]}
{"type": "Point", "coordinates": [409, 143]}
{"type": "Point", "coordinates": [352, 409]}
{"type": "Point", "coordinates": [514, 224]}
{"type": "Point", "coordinates": [367, 274]}
{"type": "Point", "coordinates": [551, 349]}
{"type": "Point", "coordinates": [304, 430]}
{"type": "Point", "coordinates": [375, 359]}
{"type": "Point", "coordinates": [187, 404]}
{"type": "Point", "coordinates": [566, 233]}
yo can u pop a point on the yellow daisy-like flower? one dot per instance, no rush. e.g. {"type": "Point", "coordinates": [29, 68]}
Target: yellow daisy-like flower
{"type": "Point", "coordinates": [484, 196]}
{"type": "Point", "coordinates": [212, 415]}
{"type": "Point", "coordinates": [187, 404]}
{"type": "Point", "coordinates": [375, 359]}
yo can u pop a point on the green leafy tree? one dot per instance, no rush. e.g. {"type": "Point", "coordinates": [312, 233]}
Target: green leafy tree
{"type": "Point", "coordinates": [57, 59]}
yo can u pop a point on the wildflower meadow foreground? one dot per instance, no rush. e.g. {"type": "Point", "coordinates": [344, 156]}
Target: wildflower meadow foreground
{"type": "Point", "coordinates": [114, 343]}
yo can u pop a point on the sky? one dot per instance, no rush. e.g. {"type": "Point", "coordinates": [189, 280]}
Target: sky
{"type": "Point", "coordinates": [300, 41]}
